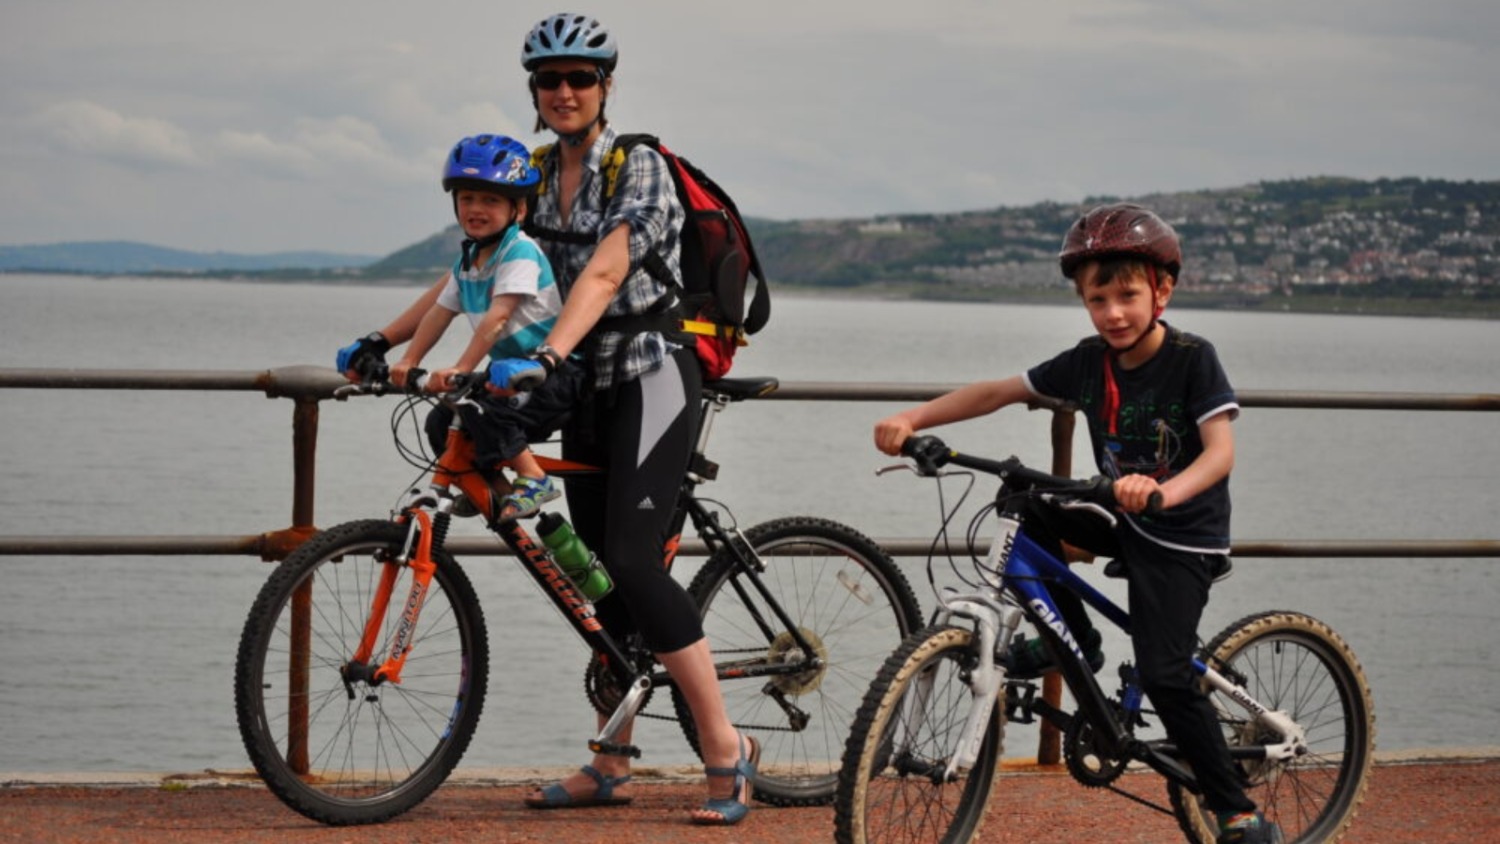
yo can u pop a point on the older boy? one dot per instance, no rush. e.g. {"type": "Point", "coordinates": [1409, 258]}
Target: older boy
{"type": "Point", "coordinates": [1159, 408]}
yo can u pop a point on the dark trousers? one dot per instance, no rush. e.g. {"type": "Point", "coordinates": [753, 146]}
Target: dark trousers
{"type": "Point", "coordinates": [503, 427]}
{"type": "Point", "coordinates": [642, 433]}
{"type": "Point", "coordinates": [1168, 590]}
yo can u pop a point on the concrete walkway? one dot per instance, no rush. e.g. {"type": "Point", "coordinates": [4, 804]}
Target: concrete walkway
{"type": "Point", "coordinates": [1412, 798]}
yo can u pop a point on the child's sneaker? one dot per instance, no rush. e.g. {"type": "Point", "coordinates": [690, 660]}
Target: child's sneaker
{"type": "Point", "coordinates": [527, 495]}
{"type": "Point", "coordinates": [1028, 659]}
{"type": "Point", "coordinates": [1248, 828]}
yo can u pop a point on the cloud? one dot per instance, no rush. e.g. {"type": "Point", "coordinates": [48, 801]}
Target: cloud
{"type": "Point", "coordinates": [322, 130]}
{"type": "Point", "coordinates": [87, 128]}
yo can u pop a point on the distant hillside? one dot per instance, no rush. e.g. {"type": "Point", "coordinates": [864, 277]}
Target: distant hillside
{"type": "Point", "coordinates": [1250, 240]}
{"type": "Point", "coordinates": [122, 257]}
{"type": "Point", "coordinates": [422, 259]}
{"type": "Point", "coordinates": [1405, 246]}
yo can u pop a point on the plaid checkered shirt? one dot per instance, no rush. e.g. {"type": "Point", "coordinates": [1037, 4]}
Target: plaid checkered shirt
{"type": "Point", "coordinates": [645, 199]}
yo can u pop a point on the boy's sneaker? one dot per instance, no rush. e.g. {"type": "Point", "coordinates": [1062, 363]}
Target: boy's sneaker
{"type": "Point", "coordinates": [527, 495]}
{"type": "Point", "coordinates": [1248, 828]}
{"type": "Point", "coordinates": [1028, 659]}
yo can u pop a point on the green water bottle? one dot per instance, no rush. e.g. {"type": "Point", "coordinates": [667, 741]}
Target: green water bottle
{"type": "Point", "coordinates": [573, 557]}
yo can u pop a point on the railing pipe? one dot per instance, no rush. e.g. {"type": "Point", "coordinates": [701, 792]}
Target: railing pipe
{"type": "Point", "coordinates": [307, 386]}
{"type": "Point", "coordinates": [256, 545]}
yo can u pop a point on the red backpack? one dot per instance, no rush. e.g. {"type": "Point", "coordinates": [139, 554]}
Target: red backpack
{"type": "Point", "coordinates": [717, 262]}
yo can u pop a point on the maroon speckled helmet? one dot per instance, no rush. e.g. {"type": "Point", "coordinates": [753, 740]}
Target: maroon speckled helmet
{"type": "Point", "coordinates": [1120, 229]}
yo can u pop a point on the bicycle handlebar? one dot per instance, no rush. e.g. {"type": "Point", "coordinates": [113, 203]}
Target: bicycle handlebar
{"type": "Point", "coordinates": [930, 453]}
{"type": "Point", "coordinates": [376, 381]}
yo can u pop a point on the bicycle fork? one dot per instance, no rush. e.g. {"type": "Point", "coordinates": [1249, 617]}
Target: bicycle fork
{"type": "Point", "coordinates": [994, 625]}
{"type": "Point", "coordinates": [419, 560]}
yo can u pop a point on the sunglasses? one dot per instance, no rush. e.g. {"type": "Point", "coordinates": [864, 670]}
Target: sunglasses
{"type": "Point", "coordinates": [578, 80]}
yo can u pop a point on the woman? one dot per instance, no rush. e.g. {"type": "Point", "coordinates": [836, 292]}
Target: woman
{"type": "Point", "coordinates": [643, 416]}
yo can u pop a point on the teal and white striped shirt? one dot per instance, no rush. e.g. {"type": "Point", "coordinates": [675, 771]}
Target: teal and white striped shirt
{"type": "Point", "coordinates": [516, 267]}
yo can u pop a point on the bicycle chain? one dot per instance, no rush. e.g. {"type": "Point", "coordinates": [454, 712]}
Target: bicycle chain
{"type": "Point", "coordinates": [604, 694]}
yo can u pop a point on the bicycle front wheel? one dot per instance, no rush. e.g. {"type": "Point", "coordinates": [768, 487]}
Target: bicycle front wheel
{"type": "Point", "coordinates": [1297, 665]}
{"type": "Point", "coordinates": [893, 788]}
{"type": "Point", "coordinates": [847, 600]}
{"type": "Point", "coordinates": [357, 752]}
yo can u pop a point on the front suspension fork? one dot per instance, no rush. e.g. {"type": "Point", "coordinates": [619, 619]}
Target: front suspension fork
{"type": "Point", "coordinates": [994, 625]}
{"type": "Point", "coordinates": [419, 560]}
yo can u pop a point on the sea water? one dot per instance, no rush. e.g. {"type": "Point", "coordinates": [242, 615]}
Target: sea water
{"type": "Point", "coordinates": [114, 663]}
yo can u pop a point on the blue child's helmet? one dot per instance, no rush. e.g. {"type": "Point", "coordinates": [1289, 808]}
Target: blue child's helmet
{"type": "Point", "coordinates": [494, 163]}
{"type": "Point", "coordinates": [570, 36]}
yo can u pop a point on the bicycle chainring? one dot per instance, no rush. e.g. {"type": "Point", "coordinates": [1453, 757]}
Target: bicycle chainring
{"type": "Point", "coordinates": [603, 689]}
{"type": "Point", "coordinates": [1086, 761]}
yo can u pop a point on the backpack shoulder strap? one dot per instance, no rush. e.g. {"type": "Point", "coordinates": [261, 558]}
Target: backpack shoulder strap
{"type": "Point", "coordinates": [614, 160]}
{"type": "Point", "coordinates": [539, 157]}
{"type": "Point", "coordinates": [538, 160]}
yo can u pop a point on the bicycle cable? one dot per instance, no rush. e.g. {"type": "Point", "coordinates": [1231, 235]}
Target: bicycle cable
{"type": "Point", "coordinates": [947, 515]}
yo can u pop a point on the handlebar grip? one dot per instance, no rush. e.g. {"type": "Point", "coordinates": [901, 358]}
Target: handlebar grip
{"type": "Point", "coordinates": [1153, 504]}
{"type": "Point", "coordinates": [525, 382]}
{"type": "Point", "coordinates": [372, 369]}
{"type": "Point", "coordinates": [927, 452]}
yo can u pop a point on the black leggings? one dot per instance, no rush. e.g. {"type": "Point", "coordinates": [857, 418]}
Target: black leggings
{"type": "Point", "coordinates": [1168, 590]}
{"type": "Point", "coordinates": [642, 433]}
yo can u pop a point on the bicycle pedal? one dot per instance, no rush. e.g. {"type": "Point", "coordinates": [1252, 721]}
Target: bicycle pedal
{"type": "Point", "coordinates": [609, 748]}
{"type": "Point", "coordinates": [1020, 697]}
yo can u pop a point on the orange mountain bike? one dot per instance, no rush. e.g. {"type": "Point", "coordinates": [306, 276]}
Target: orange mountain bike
{"type": "Point", "coordinates": [364, 662]}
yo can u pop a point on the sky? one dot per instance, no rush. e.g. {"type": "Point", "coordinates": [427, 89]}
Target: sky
{"type": "Point", "coordinates": [280, 125]}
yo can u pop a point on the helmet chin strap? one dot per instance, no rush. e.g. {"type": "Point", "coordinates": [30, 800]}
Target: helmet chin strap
{"type": "Point", "coordinates": [575, 139]}
{"type": "Point", "coordinates": [472, 246]}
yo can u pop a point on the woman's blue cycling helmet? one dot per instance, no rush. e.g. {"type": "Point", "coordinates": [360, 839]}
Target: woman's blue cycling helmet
{"type": "Point", "coordinates": [494, 163]}
{"type": "Point", "coordinates": [570, 36]}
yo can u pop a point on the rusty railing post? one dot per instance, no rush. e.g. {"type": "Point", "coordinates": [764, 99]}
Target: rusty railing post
{"type": "Point", "coordinates": [307, 386]}
{"type": "Point", "coordinates": [1049, 742]}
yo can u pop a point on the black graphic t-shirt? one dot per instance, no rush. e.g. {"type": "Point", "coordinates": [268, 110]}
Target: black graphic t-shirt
{"type": "Point", "coordinates": [1148, 424]}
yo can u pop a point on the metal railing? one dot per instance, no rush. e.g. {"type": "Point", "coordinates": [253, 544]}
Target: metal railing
{"type": "Point", "coordinates": [308, 386]}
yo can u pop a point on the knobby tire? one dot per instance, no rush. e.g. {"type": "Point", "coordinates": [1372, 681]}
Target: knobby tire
{"type": "Point", "coordinates": [891, 789]}
{"type": "Point", "coordinates": [852, 603]}
{"type": "Point", "coordinates": [1298, 665]}
{"type": "Point", "coordinates": [380, 751]}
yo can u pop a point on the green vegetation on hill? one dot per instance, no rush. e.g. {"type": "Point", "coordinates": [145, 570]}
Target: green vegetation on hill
{"type": "Point", "coordinates": [1374, 246]}
{"type": "Point", "coordinates": [1386, 246]}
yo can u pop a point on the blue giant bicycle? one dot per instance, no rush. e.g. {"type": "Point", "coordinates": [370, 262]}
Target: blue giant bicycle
{"type": "Point", "coordinates": [921, 759]}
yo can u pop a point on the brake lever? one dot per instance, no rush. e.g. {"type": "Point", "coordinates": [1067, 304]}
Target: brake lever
{"type": "Point", "coordinates": [1079, 504]}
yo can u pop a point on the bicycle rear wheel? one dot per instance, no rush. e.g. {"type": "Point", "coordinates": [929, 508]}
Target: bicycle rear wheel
{"type": "Point", "coordinates": [357, 753]}
{"type": "Point", "coordinates": [1294, 664]}
{"type": "Point", "coordinates": [891, 789]}
{"type": "Point", "coordinates": [850, 602]}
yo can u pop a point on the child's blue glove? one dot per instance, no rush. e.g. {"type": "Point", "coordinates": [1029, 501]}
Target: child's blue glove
{"type": "Point", "coordinates": [519, 374]}
{"type": "Point", "coordinates": [354, 356]}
